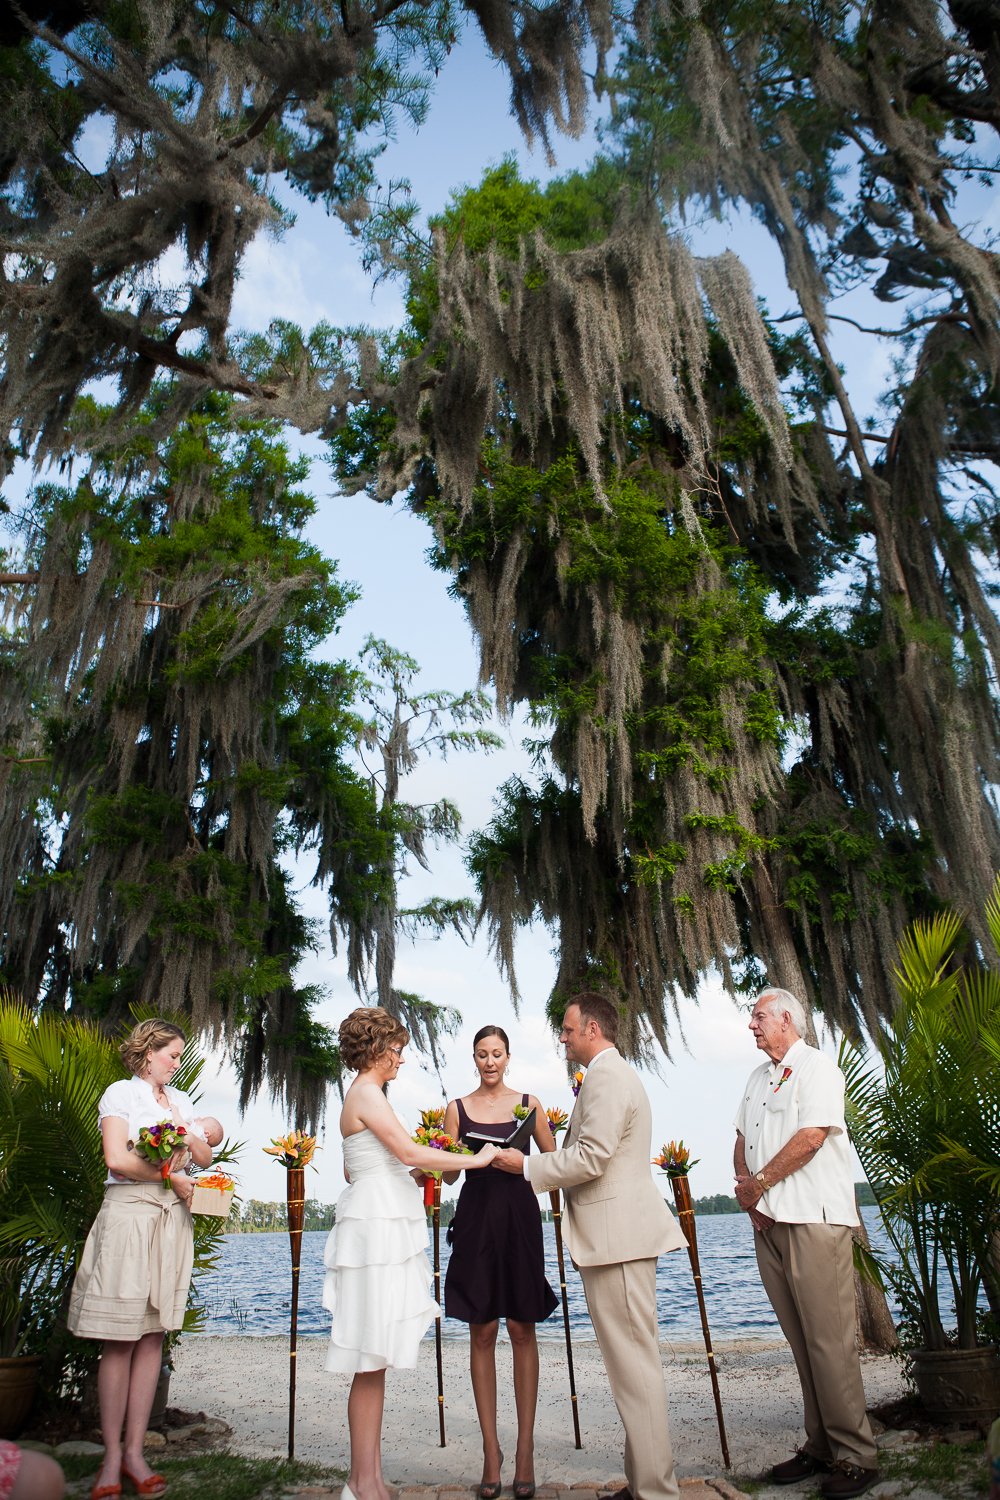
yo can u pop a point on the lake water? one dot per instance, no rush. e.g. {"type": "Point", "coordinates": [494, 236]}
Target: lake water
{"type": "Point", "coordinates": [249, 1291]}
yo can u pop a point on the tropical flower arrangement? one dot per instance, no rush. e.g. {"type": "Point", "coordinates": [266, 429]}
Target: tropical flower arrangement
{"type": "Point", "coordinates": [432, 1119]}
{"type": "Point", "coordinates": [438, 1140]}
{"type": "Point", "coordinates": [521, 1111]}
{"type": "Point", "coordinates": [558, 1120]}
{"type": "Point", "coordinates": [578, 1078]}
{"type": "Point", "coordinates": [157, 1143]}
{"type": "Point", "coordinates": [295, 1150]}
{"type": "Point", "coordinates": [675, 1159]}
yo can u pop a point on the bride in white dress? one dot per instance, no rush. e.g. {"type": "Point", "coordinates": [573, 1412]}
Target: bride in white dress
{"type": "Point", "coordinates": [378, 1278]}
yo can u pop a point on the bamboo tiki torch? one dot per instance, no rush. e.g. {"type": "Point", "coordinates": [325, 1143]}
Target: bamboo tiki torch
{"type": "Point", "coordinates": [296, 1215]}
{"type": "Point", "coordinates": [557, 1222]}
{"type": "Point", "coordinates": [436, 1210]}
{"type": "Point", "coordinates": [294, 1152]}
{"type": "Point", "coordinates": [675, 1161]}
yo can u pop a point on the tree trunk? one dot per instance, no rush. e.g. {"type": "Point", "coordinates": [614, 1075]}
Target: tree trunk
{"type": "Point", "coordinates": [875, 1331]}
{"type": "Point", "coordinates": [991, 1274]}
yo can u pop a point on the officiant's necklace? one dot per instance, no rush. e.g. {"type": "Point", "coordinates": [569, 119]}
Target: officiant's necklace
{"type": "Point", "coordinates": [492, 1102]}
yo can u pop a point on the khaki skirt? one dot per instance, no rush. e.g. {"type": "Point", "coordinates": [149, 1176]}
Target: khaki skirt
{"type": "Point", "coordinates": [136, 1266]}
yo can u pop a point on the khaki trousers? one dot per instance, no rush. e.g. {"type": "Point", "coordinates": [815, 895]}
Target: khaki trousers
{"type": "Point", "coordinates": [621, 1299]}
{"type": "Point", "coordinates": [808, 1274]}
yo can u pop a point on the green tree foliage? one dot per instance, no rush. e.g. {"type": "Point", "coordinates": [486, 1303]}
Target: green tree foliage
{"type": "Point", "coordinates": [848, 133]}
{"type": "Point", "coordinates": [744, 774]}
{"type": "Point", "coordinates": [256, 1217]}
{"type": "Point", "coordinates": [202, 109]}
{"type": "Point", "coordinates": [170, 740]}
{"type": "Point", "coordinates": [53, 1071]}
{"type": "Point", "coordinates": [924, 1116]}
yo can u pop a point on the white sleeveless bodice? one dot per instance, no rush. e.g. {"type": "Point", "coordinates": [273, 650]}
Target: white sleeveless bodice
{"type": "Point", "coordinates": [365, 1156]}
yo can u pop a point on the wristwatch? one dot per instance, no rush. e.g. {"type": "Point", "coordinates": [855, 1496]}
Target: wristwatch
{"type": "Point", "coordinates": [759, 1177]}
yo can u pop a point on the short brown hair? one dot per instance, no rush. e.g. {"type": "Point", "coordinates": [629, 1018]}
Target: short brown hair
{"type": "Point", "coordinates": [367, 1034]}
{"type": "Point", "coordinates": [600, 1010]}
{"type": "Point", "coordinates": [149, 1036]}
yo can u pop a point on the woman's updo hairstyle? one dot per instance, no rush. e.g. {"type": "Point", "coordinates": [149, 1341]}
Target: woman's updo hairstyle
{"type": "Point", "coordinates": [485, 1031]}
{"type": "Point", "coordinates": [149, 1036]}
{"type": "Point", "coordinates": [367, 1034]}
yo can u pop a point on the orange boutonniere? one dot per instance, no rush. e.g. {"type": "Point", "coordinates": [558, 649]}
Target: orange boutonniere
{"type": "Point", "coordinates": [783, 1079]}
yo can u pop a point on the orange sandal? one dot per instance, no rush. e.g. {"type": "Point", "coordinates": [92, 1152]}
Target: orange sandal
{"type": "Point", "coordinates": [154, 1485]}
{"type": "Point", "coordinates": [105, 1491]}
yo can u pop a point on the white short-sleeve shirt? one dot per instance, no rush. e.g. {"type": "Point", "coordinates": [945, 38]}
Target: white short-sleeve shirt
{"type": "Point", "coordinates": [805, 1089]}
{"type": "Point", "coordinates": [132, 1100]}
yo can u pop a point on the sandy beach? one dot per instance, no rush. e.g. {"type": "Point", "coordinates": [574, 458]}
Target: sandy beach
{"type": "Point", "coordinates": [245, 1381]}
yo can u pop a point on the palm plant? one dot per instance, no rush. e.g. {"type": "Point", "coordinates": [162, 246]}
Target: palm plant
{"type": "Point", "coordinates": [924, 1115]}
{"type": "Point", "coordinates": [53, 1071]}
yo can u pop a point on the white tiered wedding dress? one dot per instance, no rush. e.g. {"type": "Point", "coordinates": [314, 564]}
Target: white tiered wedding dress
{"type": "Point", "coordinates": [378, 1277]}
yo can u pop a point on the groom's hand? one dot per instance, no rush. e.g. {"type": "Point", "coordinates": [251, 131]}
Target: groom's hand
{"type": "Point", "coordinates": [510, 1161]}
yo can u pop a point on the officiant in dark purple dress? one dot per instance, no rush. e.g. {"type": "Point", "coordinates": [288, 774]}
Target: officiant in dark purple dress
{"type": "Point", "coordinates": [497, 1265]}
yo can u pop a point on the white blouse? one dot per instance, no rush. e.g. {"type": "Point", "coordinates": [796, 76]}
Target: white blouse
{"type": "Point", "coordinates": [132, 1100]}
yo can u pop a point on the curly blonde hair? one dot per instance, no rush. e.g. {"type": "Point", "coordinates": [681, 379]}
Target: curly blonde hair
{"type": "Point", "coordinates": [149, 1036]}
{"type": "Point", "coordinates": [366, 1034]}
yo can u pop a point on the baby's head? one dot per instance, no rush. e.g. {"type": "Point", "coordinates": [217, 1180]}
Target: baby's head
{"type": "Point", "coordinates": [212, 1128]}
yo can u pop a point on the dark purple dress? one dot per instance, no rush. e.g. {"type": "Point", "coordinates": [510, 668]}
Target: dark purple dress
{"type": "Point", "coordinates": [497, 1265]}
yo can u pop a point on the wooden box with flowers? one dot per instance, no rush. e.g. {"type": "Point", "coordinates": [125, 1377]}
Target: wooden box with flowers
{"type": "Point", "coordinates": [213, 1195]}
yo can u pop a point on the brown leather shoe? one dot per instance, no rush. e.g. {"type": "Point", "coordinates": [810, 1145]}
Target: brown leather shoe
{"type": "Point", "coordinates": [625, 1494]}
{"type": "Point", "coordinates": [799, 1467]}
{"type": "Point", "coordinates": [847, 1479]}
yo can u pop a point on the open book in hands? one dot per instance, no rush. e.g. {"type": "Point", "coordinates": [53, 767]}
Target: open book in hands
{"type": "Point", "coordinates": [516, 1141]}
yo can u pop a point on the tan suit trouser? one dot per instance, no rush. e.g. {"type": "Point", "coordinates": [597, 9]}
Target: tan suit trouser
{"type": "Point", "coordinates": [808, 1274]}
{"type": "Point", "coordinates": [621, 1299]}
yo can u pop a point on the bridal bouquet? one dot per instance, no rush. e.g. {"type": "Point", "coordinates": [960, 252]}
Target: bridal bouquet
{"type": "Point", "coordinates": [558, 1120]}
{"type": "Point", "coordinates": [432, 1135]}
{"type": "Point", "coordinates": [157, 1143]}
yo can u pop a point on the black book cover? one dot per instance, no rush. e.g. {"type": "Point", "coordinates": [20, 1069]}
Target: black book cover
{"type": "Point", "coordinates": [516, 1141]}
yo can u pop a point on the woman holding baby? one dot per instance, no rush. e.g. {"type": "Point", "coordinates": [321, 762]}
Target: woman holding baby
{"type": "Point", "coordinates": [134, 1274]}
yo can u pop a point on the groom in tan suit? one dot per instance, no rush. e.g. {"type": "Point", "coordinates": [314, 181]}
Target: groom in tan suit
{"type": "Point", "coordinates": [617, 1223]}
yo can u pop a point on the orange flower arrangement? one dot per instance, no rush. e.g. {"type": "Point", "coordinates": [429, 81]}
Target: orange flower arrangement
{"type": "Point", "coordinates": [675, 1159]}
{"type": "Point", "coordinates": [558, 1120]}
{"type": "Point", "coordinates": [295, 1150]}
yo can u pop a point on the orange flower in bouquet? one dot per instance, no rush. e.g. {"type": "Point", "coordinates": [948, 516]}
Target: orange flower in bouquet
{"type": "Point", "coordinates": [558, 1120]}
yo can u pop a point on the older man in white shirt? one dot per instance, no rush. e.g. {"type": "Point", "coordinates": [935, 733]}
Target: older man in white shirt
{"type": "Point", "coordinates": [794, 1179]}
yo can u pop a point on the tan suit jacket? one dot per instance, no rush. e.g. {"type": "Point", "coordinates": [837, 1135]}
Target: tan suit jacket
{"type": "Point", "coordinates": [614, 1210]}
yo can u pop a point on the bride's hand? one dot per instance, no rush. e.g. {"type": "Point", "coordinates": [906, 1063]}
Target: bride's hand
{"type": "Point", "coordinates": [483, 1156]}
